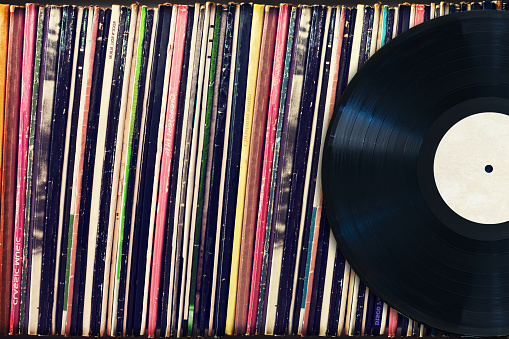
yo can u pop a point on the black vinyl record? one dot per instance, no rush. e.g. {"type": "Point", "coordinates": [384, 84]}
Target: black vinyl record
{"type": "Point", "coordinates": [405, 238]}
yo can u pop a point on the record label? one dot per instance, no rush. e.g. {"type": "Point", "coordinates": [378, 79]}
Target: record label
{"type": "Point", "coordinates": [471, 168]}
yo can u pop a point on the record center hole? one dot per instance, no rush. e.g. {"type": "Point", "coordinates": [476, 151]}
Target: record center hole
{"type": "Point", "coordinates": [488, 168]}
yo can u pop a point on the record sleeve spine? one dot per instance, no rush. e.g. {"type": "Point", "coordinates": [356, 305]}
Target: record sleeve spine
{"type": "Point", "coordinates": [206, 131]}
{"type": "Point", "coordinates": [209, 219]}
{"type": "Point", "coordinates": [286, 166]}
{"type": "Point", "coordinates": [308, 216]}
{"type": "Point", "coordinates": [9, 150]}
{"type": "Point", "coordinates": [254, 53]}
{"type": "Point", "coordinates": [184, 215]}
{"type": "Point", "coordinates": [27, 238]}
{"type": "Point", "coordinates": [128, 159]}
{"type": "Point", "coordinates": [279, 141]}
{"type": "Point", "coordinates": [30, 30]}
{"type": "Point", "coordinates": [94, 235]}
{"type": "Point", "coordinates": [169, 133]}
{"type": "Point", "coordinates": [186, 153]}
{"type": "Point", "coordinates": [254, 167]}
{"type": "Point", "coordinates": [131, 30]}
{"type": "Point", "coordinates": [225, 97]}
{"type": "Point", "coordinates": [268, 156]}
{"type": "Point", "coordinates": [162, 28]}
{"type": "Point", "coordinates": [4, 233]}
{"type": "Point", "coordinates": [78, 168]}
{"type": "Point", "coordinates": [43, 146]}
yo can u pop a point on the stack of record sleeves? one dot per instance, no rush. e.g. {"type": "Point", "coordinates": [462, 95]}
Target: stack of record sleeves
{"type": "Point", "coordinates": [160, 168]}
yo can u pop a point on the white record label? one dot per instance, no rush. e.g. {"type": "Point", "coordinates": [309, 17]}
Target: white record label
{"type": "Point", "coordinates": [471, 168]}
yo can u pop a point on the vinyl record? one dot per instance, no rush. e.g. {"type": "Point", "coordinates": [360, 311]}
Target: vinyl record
{"type": "Point", "coordinates": [416, 173]}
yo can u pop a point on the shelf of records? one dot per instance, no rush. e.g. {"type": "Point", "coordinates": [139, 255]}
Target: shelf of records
{"type": "Point", "coordinates": [160, 168]}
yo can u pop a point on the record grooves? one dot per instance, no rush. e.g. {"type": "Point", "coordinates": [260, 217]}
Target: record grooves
{"type": "Point", "coordinates": [392, 224]}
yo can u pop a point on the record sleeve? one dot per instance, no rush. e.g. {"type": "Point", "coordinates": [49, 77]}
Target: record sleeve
{"type": "Point", "coordinates": [42, 142]}
{"type": "Point", "coordinates": [164, 16]}
{"type": "Point", "coordinates": [206, 233]}
{"type": "Point", "coordinates": [156, 219]}
{"type": "Point", "coordinates": [173, 237]}
{"type": "Point", "coordinates": [130, 30]}
{"type": "Point", "coordinates": [201, 165]}
{"type": "Point", "coordinates": [285, 166]}
{"type": "Point", "coordinates": [103, 181]}
{"type": "Point", "coordinates": [254, 167]}
{"type": "Point", "coordinates": [128, 170]}
{"type": "Point", "coordinates": [8, 161]}
{"type": "Point", "coordinates": [27, 238]}
{"type": "Point", "coordinates": [96, 232]}
{"type": "Point", "coordinates": [191, 237]}
{"type": "Point", "coordinates": [280, 137]}
{"type": "Point", "coordinates": [268, 156]}
{"type": "Point", "coordinates": [27, 75]}
{"type": "Point", "coordinates": [140, 247]}
{"type": "Point", "coordinates": [67, 171]}
{"type": "Point", "coordinates": [166, 160]}
{"type": "Point", "coordinates": [221, 145]}
{"type": "Point", "coordinates": [214, 162]}
{"type": "Point", "coordinates": [308, 215]}
{"type": "Point", "coordinates": [189, 162]}
{"type": "Point", "coordinates": [58, 130]}
{"type": "Point", "coordinates": [233, 165]}
{"type": "Point", "coordinates": [4, 29]}
{"type": "Point", "coordinates": [252, 73]}
{"type": "Point", "coordinates": [175, 280]}
{"type": "Point", "coordinates": [87, 172]}
{"type": "Point", "coordinates": [293, 234]}
{"type": "Point", "coordinates": [93, 22]}
{"type": "Point", "coordinates": [131, 179]}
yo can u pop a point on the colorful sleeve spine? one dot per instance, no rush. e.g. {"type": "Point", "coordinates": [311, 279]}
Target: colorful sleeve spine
{"type": "Point", "coordinates": [166, 161]}
{"type": "Point", "coordinates": [254, 167]}
{"type": "Point", "coordinates": [193, 185]}
{"type": "Point", "coordinates": [254, 54]}
{"type": "Point", "coordinates": [69, 146]}
{"type": "Point", "coordinates": [209, 219]}
{"type": "Point", "coordinates": [10, 133]}
{"type": "Point", "coordinates": [268, 155]}
{"type": "Point", "coordinates": [4, 30]}
{"type": "Point", "coordinates": [292, 266]}
{"type": "Point", "coordinates": [130, 233]}
{"type": "Point", "coordinates": [232, 181]}
{"type": "Point", "coordinates": [206, 131]}
{"type": "Point", "coordinates": [226, 90]}
{"type": "Point", "coordinates": [166, 18]}
{"type": "Point", "coordinates": [140, 231]}
{"type": "Point", "coordinates": [419, 15]}
{"type": "Point", "coordinates": [95, 236]}
{"type": "Point", "coordinates": [131, 29]}
{"type": "Point", "coordinates": [40, 270]}
{"type": "Point", "coordinates": [311, 176]}
{"type": "Point", "coordinates": [206, 234]}
{"type": "Point", "coordinates": [58, 133]}
{"type": "Point", "coordinates": [30, 31]}
{"type": "Point", "coordinates": [122, 203]}
{"type": "Point", "coordinates": [27, 238]}
{"type": "Point", "coordinates": [187, 152]}
{"type": "Point", "coordinates": [317, 204]}
{"type": "Point", "coordinates": [169, 133]}
{"type": "Point", "coordinates": [78, 174]}
{"type": "Point", "coordinates": [286, 167]}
